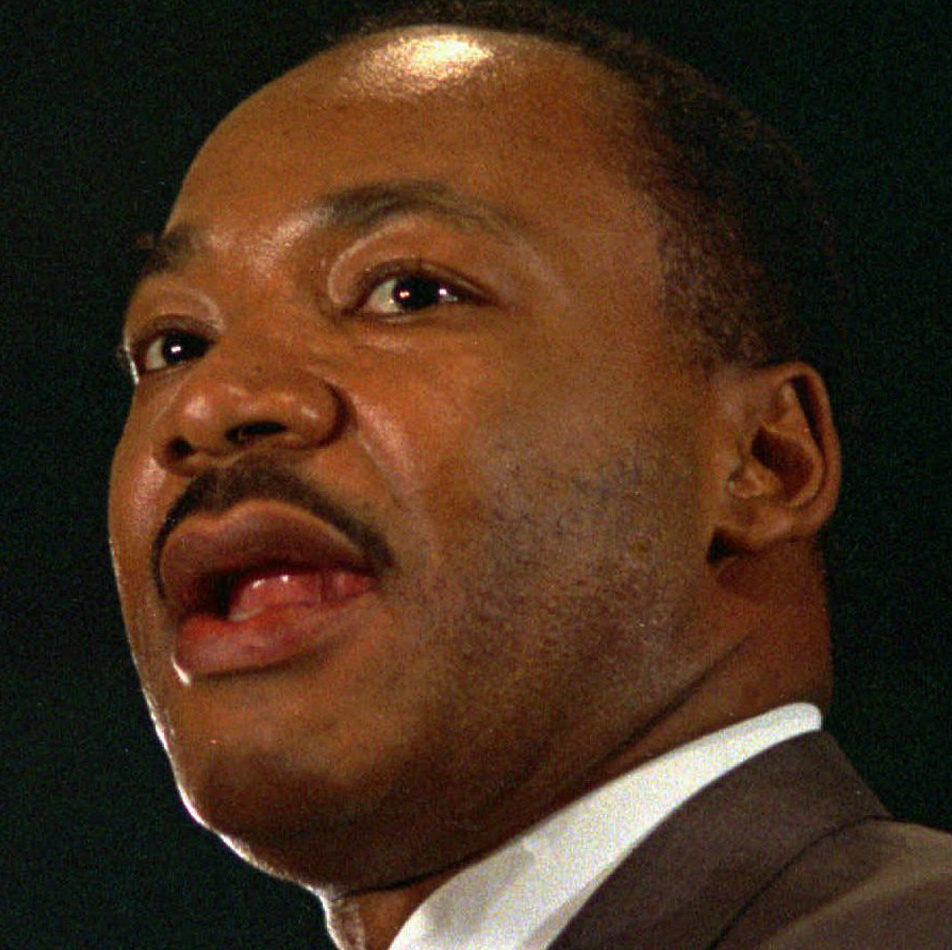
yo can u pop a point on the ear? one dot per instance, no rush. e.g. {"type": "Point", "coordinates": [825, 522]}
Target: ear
{"type": "Point", "coordinates": [780, 471]}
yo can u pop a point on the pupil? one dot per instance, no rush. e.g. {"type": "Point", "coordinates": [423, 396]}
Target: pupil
{"type": "Point", "coordinates": [178, 347]}
{"type": "Point", "coordinates": [417, 293]}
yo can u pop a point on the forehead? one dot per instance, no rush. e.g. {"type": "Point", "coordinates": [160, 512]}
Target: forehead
{"type": "Point", "coordinates": [516, 121]}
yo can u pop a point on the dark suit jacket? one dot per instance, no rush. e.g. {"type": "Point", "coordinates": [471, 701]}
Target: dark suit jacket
{"type": "Point", "coordinates": [791, 851]}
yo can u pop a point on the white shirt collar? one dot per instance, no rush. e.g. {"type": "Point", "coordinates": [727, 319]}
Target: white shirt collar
{"type": "Point", "coordinates": [522, 895]}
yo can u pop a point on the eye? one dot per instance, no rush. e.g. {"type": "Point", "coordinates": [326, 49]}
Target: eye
{"type": "Point", "coordinates": [411, 293]}
{"type": "Point", "coordinates": [168, 349]}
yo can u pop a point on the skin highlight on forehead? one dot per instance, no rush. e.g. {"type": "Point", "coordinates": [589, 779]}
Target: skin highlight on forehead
{"type": "Point", "coordinates": [419, 64]}
{"type": "Point", "coordinates": [414, 63]}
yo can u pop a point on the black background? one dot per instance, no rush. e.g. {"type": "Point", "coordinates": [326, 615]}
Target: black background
{"type": "Point", "coordinates": [104, 103]}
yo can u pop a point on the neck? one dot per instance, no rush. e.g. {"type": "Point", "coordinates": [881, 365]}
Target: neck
{"type": "Point", "coordinates": [371, 920]}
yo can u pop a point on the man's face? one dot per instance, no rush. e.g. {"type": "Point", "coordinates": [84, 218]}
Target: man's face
{"type": "Point", "coordinates": [445, 520]}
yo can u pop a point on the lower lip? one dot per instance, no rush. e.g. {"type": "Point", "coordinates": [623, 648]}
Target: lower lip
{"type": "Point", "coordinates": [209, 645]}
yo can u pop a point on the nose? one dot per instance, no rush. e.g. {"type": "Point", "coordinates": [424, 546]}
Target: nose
{"type": "Point", "coordinates": [227, 405]}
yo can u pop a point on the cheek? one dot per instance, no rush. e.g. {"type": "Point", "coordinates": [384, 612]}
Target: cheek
{"type": "Point", "coordinates": [425, 428]}
{"type": "Point", "coordinates": [135, 503]}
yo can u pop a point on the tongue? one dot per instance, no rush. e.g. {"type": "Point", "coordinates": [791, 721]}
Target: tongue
{"type": "Point", "coordinates": [284, 587]}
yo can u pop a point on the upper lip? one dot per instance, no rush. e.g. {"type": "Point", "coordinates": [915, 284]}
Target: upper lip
{"type": "Point", "coordinates": [206, 551]}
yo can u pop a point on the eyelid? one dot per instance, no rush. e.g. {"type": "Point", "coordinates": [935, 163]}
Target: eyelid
{"type": "Point", "coordinates": [373, 277]}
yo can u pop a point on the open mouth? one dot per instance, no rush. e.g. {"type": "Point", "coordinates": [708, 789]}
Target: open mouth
{"type": "Point", "coordinates": [257, 586]}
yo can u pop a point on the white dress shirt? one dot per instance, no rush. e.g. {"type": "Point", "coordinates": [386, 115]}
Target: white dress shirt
{"type": "Point", "coordinates": [523, 895]}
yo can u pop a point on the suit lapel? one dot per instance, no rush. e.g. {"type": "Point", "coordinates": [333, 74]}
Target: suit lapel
{"type": "Point", "coordinates": [682, 888]}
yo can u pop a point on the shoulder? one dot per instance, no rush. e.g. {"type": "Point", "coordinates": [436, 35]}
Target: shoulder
{"type": "Point", "coordinates": [790, 851]}
{"type": "Point", "coordinates": [876, 883]}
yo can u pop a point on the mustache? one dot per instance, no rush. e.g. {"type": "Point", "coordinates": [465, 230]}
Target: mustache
{"type": "Point", "coordinates": [217, 490]}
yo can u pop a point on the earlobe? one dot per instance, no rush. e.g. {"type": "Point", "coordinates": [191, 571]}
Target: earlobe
{"type": "Point", "coordinates": [782, 478]}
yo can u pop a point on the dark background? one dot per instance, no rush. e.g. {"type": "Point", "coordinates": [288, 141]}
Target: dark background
{"type": "Point", "coordinates": [104, 103]}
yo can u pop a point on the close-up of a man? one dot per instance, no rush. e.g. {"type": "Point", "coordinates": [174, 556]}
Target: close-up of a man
{"type": "Point", "coordinates": [465, 518]}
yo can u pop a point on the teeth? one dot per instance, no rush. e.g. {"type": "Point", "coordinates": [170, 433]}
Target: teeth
{"type": "Point", "coordinates": [258, 592]}
{"type": "Point", "coordinates": [243, 597]}
{"type": "Point", "coordinates": [237, 614]}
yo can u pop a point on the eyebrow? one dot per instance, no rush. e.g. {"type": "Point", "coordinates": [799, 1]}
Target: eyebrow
{"type": "Point", "coordinates": [166, 252]}
{"type": "Point", "coordinates": [359, 209]}
{"type": "Point", "coordinates": [366, 206]}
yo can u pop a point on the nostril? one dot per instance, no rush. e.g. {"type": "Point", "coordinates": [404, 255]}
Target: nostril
{"type": "Point", "coordinates": [253, 430]}
{"type": "Point", "coordinates": [180, 449]}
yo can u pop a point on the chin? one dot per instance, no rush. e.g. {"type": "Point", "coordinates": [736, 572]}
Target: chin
{"type": "Point", "coordinates": [271, 817]}
{"type": "Point", "coordinates": [325, 831]}
{"type": "Point", "coordinates": [237, 787]}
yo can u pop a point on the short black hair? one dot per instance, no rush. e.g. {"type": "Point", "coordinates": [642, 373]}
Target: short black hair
{"type": "Point", "coordinates": [745, 242]}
